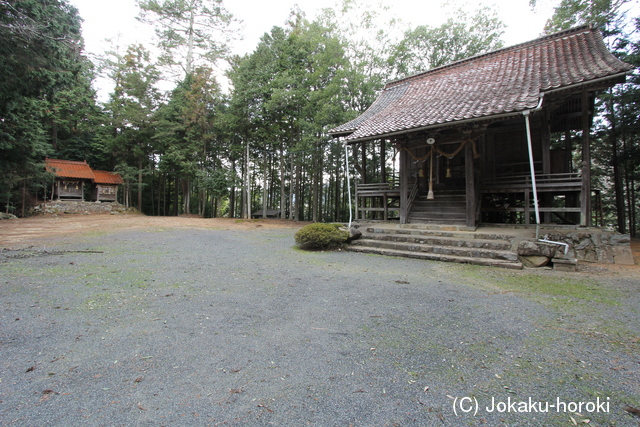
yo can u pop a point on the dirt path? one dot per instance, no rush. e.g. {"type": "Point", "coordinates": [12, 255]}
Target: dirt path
{"type": "Point", "coordinates": [16, 233]}
{"type": "Point", "coordinates": [179, 321]}
{"type": "Point", "coordinates": [20, 233]}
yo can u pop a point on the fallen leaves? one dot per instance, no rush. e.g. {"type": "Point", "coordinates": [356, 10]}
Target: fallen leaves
{"type": "Point", "coordinates": [46, 394]}
{"type": "Point", "coordinates": [632, 410]}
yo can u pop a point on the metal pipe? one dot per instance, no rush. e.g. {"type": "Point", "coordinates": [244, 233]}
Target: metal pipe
{"type": "Point", "coordinates": [566, 245]}
{"type": "Point", "coordinates": [533, 173]}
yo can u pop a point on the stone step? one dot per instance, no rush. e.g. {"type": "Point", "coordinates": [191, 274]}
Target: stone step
{"type": "Point", "coordinates": [498, 245]}
{"type": "Point", "coordinates": [465, 252]}
{"type": "Point", "coordinates": [436, 221]}
{"type": "Point", "coordinates": [456, 232]}
{"type": "Point", "coordinates": [427, 216]}
{"type": "Point", "coordinates": [437, 257]}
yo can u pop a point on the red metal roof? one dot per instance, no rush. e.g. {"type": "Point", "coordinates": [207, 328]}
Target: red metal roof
{"type": "Point", "coordinates": [509, 80]}
{"type": "Point", "coordinates": [69, 169]}
{"type": "Point", "coordinates": [104, 177]}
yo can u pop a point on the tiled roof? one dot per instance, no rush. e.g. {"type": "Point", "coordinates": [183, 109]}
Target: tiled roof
{"type": "Point", "coordinates": [69, 169]}
{"type": "Point", "coordinates": [509, 80]}
{"type": "Point", "coordinates": [109, 178]}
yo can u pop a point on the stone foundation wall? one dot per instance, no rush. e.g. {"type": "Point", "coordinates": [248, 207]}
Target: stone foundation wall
{"type": "Point", "coordinates": [593, 245]}
{"type": "Point", "coordinates": [86, 208]}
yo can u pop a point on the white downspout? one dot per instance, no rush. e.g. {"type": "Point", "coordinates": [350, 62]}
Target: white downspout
{"type": "Point", "coordinates": [566, 245]}
{"type": "Point", "coordinates": [533, 172]}
{"type": "Point", "coordinates": [533, 181]}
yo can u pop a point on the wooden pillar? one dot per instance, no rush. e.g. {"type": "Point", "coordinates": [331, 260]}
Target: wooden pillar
{"type": "Point", "coordinates": [585, 193]}
{"type": "Point", "coordinates": [364, 162]}
{"type": "Point", "coordinates": [383, 177]}
{"type": "Point", "coordinates": [383, 161]}
{"type": "Point", "coordinates": [404, 196]}
{"type": "Point", "coordinates": [545, 140]}
{"type": "Point", "coordinates": [567, 150]}
{"type": "Point", "coordinates": [470, 185]}
{"type": "Point", "coordinates": [385, 205]}
{"type": "Point", "coordinates": [527, 206]}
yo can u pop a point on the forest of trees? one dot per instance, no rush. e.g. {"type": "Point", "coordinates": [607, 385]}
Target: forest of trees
{"type": "Point", "coordinates": [263, 144]}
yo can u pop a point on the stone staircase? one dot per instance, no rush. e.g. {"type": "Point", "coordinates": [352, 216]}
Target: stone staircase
{"type": "Point", "coordinates": [448, 207]}
{"type": "Point", "coordinates": [439, 243]}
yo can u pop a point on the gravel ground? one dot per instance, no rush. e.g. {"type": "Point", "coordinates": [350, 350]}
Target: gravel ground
{"type": "Point", "coordinates": [213, 327]}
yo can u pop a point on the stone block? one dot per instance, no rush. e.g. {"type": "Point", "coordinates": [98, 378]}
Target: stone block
{"type": "Point", "coordinates": [622, 255]}
{"type": "Point", "coordinates": [534, 261]}
{"type": "Point", "coordinates": [620, 239]}
{"type": "Point", "coordinates": [564, 264]}
{"type": "Point", "coordinates": [529, 248]}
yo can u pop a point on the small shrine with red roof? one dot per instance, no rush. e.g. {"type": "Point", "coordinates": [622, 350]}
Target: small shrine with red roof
{"type": "Point", "coordinates": [71, 177]}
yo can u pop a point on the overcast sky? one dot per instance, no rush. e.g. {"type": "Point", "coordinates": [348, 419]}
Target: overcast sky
{"type": "Point", "coordinates": [115, 19]}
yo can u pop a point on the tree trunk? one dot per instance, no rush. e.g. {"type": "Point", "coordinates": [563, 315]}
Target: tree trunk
{"type": "Point", "coordinates": [24, 193]}
{"type": "Point", "coordinates": [296, 208]}
{"type": "Point", "coordinates": [617, 175]}
{"type": "Point", "coordinates": [232, 193]}
{"type": "Point", "coordinates": [153, 187]}
{"type": "Point", "coordinates": [283, 210]}
{"type": "Point", "coordinates": [264, 189]}
{"type": "Point", "coordinates": [292, 191]}
{"type": "Point", "coordinates": [190, 30]}
{"type": "Point", "coordinates": [176, 198]}
{"type": "Point", "coordinates": [319, 197]}
{"type": "Point", "coordinates": [186, 195]}
{"type": "Point", "coordinates": [140, 185]}
{"type": "Point", "coordinates": [314, 187]}
{"type": "Point", "coordinates": [247, 208]}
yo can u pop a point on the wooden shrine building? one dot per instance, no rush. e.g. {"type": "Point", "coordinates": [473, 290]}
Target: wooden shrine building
{"type": "Point", "coordinates": [482, 139]}
{"type": "Point", "coordinates": [105, 188]}
{"type": "Point", "coordinates": [71, 177]}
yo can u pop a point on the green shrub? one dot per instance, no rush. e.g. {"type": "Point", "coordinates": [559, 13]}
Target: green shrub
{"type": "Point", "coordinates": [319, 237]}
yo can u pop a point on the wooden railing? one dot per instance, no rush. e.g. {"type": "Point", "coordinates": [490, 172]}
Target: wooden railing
{"type": "Point", "coordinates": [412, 195]}
{"type": "Point", "coordinates": [544, 182]}
{"type": "Point", "coordinates": [520, 188]}
{"type": "Point", "coordinates": [383, 191]}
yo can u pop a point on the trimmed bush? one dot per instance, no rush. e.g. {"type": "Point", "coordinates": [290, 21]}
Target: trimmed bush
{"type": "Point", "coordinates": [320, 237]}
